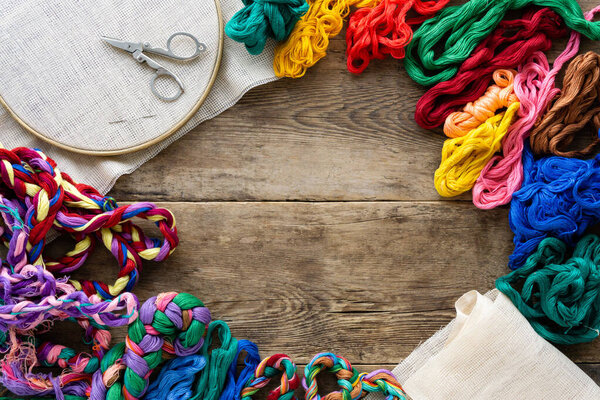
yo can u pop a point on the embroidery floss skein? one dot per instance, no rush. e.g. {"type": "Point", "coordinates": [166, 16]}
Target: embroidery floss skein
{"type": "Point", "coordinates": [50, 199]}
{"type": "Point", "coordinates": [374, 32]}
{"type": "Point", "coordinates": [560, 197]}
{"type": "Point", "coordinates": [534, 86]}
{"type": "Point", "coordinates": [309, 39]}
{"type": "Point", "coordinates": [261, 19]}
{"type": "Point", "coordinates": [508, 47]}
{"type": "Point", "coordinates": [459, 29]}
{"type": "Point", "coordinates": [267, 369]}
{"type": "Point", "coordinates": [464, 157]}
{"type": "Point", "coordinates": [560, 295]}
{"type": "Point", "coordinates": [577, 105]}
{"type": "Point", "coordinates": [498, 96]}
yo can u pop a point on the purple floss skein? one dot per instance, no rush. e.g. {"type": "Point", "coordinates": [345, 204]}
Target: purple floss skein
{"type": "Point", "coordinates": [560, 197]}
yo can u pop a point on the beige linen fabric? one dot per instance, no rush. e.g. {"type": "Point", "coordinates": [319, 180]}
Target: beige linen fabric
{"type": "Point", "coordinates": [489, 351]}
{"type": "Point", "coordinates": [61, 105]}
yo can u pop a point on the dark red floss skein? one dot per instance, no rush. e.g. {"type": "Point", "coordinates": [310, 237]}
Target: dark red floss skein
{"type": "Point", "coordinates": [509, 46]}
{"type": "Point", "coordinates": [384, 29]}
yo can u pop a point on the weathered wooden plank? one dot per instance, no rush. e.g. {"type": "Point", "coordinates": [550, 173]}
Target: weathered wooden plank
{"type": "Point", "coordinates": [328, 136]}
{"type": "Point", "coordinates": [370, 280]}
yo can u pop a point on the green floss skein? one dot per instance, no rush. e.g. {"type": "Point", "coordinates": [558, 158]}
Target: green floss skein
{"type": "Point", "coordinates": [261, 19]}
{"type": "Point", "coordinates": [559, 295]}
{"type": "Point", "coordinates": [465, 26]}
{"type": "Point", "coordinates": [211, 380]}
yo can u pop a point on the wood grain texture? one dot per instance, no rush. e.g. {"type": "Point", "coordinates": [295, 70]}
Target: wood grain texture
{"type": "Point", "coordinates": [309, 221]}
{"type": "Point", "coordinates": [328, 136]}
{"type": "Point", "coordinates": [370, 280]}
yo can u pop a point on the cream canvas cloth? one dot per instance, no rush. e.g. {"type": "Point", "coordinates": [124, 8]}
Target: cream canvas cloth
{"type": "Point", "coordinates": [238, 73]}
{"type": "Point", "coordinates": [489, 351]}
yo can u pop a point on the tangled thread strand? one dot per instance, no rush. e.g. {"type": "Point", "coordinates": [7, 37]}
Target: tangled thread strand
{"type": "Point", "coordinates": [507, 47]}
{"type": "Point", "coordinates": [459, 29]}
{"type": "Point", "coordinates": [464, 157]}
{"type": "Point", "coordinates": [50, 199]}
{"type": "Point", "coordinates": [560, 197]}
{"type": "Point", "coordinates": [309, 39]}
{"type": "Point", "coordinates": [497, 96]}
{"type": "Point", "coordinates": [374, 32]}
{"type": "Point", "coordinates": [262, 19]}
{"type": "Point", "coordinates": [269, 368]}
{"type": "Point", "coordinates": [560, 295]}
{"type": "Point", "coordinates": [577, 105]}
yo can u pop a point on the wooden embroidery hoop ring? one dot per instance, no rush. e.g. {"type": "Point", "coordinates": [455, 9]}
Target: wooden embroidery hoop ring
{"type": "Point", "coordinates": [142, 146]}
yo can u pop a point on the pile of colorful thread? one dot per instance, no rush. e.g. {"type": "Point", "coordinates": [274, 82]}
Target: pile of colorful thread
{"type": "Point", "coordinates": [172, 333]}
{"type": "Point", "coordinates": [515, 135]}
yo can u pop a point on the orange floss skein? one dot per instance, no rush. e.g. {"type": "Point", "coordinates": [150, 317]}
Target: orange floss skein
{"type": "Point", "coordinates": [498, 96]}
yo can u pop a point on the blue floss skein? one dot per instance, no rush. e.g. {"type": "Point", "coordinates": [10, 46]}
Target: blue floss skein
{"type": "Point", "coordinates": [560, 197]}
{"type": "Point", "coordinates": [233, 387]}
{"type": "Point", "coordinates": [176, 378]}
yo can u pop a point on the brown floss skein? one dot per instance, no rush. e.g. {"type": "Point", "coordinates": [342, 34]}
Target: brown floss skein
{"type": "Point", "coordinates": [574, 108]}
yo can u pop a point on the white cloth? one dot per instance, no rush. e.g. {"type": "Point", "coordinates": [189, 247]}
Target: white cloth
{"type": "Point", "coordinates": [489, 351]}
{"type": "Point", "coordinates": [54, 27]}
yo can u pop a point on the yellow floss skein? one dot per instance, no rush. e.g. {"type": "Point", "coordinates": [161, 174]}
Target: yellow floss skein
{"type": "Point", "coordinates": [464, 157]}
{"type": "Point", "coordinates": [309, 40]}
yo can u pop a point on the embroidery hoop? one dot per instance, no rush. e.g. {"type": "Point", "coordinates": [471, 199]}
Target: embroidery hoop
{"type": "Point", "coordinates": [113, 152]}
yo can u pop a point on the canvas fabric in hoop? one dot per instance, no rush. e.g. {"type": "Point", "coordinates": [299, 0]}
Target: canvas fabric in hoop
{"type": "Point", "coordinates": [483, 353]}
{"type": "Point", "coordinates": [238, 73]}
{"type": "Point", "coordinates": [66, 85]}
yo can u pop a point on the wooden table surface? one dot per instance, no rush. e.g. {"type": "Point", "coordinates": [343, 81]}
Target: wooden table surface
{"type": "Point", "coordinates": [309, 221]}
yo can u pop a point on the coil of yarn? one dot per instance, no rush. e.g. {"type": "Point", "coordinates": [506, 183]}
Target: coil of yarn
{"type": "Point", "coordinates": [559, 293]}
{"type": "Point", "coordinates": [309, 39]}
{"type": "Point", "coordinates": [375, 32]}
{"type": "Point", "coordinates": [464, 157]}
{"type": "Point", "coordinates": [508, 47]}
{"type": "Point", "coordinates": [560, 198]}
{"type": "Point", "coordinates": [269, 368]}
{"type": "Point", "coordinates": [577, 105]}
{"type": "Point", "coordinates": [497, 96]}
{"type": "Point", "coordinates": [459, 29]}
{"type": "Point", "coordinates": [262, 19]}
{"type": "Point", "coordinates": [49, 199]}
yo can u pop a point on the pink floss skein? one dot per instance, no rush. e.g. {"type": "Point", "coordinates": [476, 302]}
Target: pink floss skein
{"type": "Point", "coordinates": [534, 86]}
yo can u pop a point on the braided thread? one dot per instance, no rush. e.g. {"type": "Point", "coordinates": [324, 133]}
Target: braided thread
{"type": "Point", "coordinates": [269, 368]}
{"type": "Point", "coordinates": [348, 378]}
{"type": "Point", "coordinates": [560, 295]}
{"type": "Point", "coordinates": [52, 200]}
{"type": "Point", "coordinates": [384, 382]}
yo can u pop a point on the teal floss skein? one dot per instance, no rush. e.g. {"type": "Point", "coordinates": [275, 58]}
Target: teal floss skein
{"type": "Point", "coordinates": [261, 19]}
{"type": "Point", "coordinates": [465, 26]}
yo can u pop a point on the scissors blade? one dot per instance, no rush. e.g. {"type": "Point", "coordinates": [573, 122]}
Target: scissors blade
{"type": "Point", "coordinates": [129, 47]}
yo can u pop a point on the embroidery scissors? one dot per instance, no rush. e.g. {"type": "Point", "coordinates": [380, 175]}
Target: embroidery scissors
{"type": "Point", "coordinates": [138, 51]}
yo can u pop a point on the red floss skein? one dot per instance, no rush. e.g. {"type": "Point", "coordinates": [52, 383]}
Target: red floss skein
{"type": "Point", "coordinates": [509, 46]}
{"type": "Point", "coordinates": [384, 29]}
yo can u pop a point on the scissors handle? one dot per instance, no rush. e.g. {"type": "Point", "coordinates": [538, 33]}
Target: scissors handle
{"type": "Point", "coordinates": [160, 71]}
{"type": "Point", "coordinates": [168, 52]}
